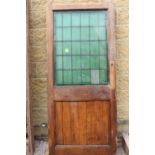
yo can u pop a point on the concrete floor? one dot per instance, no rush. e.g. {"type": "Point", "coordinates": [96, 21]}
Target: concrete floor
{"type": "Point", "coordinates": [41, 148]}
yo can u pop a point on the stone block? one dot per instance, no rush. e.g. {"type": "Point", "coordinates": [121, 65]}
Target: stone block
{"type": "Point", "coordinates": [37, 19]}
{"type": "Point", "coordinates": [37, 37]}
{"type": "Point", "coordinates": [38, 53]}
{"type": "Point", "coordinates": [38, 4]}
{"type": "Point", "coordinates": [41, 70]}
{"type": "Point", "coordinates": [39, 85]}
{"type": "Point", "coordinates": [122, 31]}
{"type": "Point", "coordinates": [120, 3]}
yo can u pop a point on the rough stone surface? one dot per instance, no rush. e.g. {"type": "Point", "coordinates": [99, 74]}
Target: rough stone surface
{"type": "Point", "coordinates": [38, 59]}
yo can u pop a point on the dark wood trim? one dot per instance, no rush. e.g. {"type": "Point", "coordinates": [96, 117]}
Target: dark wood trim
{"type": "Point", "coordinates": [81, 93]}
{"type": "Point", "coordinates": [28, 89]}
{"type": "Point", "coordinates": [112, 52]}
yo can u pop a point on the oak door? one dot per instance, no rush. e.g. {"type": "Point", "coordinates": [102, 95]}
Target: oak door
{"type": "Point", "coordinates": [81, 79]}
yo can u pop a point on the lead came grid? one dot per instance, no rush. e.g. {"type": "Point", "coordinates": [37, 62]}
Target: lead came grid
{"type": "Point", "coordinates": [80, 47]}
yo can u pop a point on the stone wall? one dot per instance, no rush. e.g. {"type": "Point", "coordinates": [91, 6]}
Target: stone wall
{"type": "Point", "coordinates": [38, 60]}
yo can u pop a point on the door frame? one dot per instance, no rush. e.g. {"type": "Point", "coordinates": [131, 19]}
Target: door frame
{"type": "Point", "coordinates": [111, 56]}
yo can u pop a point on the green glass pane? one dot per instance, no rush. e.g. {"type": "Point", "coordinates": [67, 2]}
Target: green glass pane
{"type": "Point", "coordinates": [76, 62]}
{"type": "Point", "coordinates": [94, 33]}
{"type": "Point", "coordinates": [66, 48]}
{"type": "Point", "coordinates": [95, 63]}
{"type": "Point", "coordinates": [103, 76]}
{"type": "Point", "coordinates": [59, 78]}
{"type": "Point", "coordinates": [94, 48]}
{"type": "Point", "coordinates": [93, 19]}
{"type": "Point", "coordinates": [58, 34]}
{"type": "Point", "coordinates": [66, 34]}
{"type": "Point", "coordinates": [102, 33]}
{"type": "Point", "coordinates": [58, 19]}
{"type": "Point", "coordinates": [75, 48]}
{"type": "Point", "coordinates": [76, 77]}
{"type": "Point", "coordinates": [67, 77]}
{"type": "Point", "coordinates": [85, 76]}
{"type": "Point", "coordinates": [75, 33]}
{"type": "Point", "coordinates": [84, 33]}
{"type": "Point", "coordinates": [85, 19]}
{"type": "Point", "coordinates": [75, 19]}
{"type": "Point", "coordinates": [103, 62]}
{"type": "Point", "coordinates": [66, 62]}
{"type": "Point", "coordinates": [58, 48]}
{"type": "Point", "coordinates": [66, 19]}
{"type": "Point", "coordinates": [103, 47]}
{"type": "Point", "coordinates": [102, 18]}
{"type": "Point", "coordinates": [58, 62]}
{"type": "Point", "coordinates": [85, 62]}
{"type": "Point", "coordinates": [84, 48]}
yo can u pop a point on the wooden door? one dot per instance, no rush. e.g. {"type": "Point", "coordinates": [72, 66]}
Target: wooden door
{"type": "Point", "coordinates": [81, 79]}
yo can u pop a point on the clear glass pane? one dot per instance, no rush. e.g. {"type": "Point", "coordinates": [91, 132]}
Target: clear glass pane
{"type": "Point", "coordinates": [102, 19]}
{"type": "Point", "coordinates": [67, 76]}
{"type": "Point", "coordinates": [58, 34]}
{"type": "Point", "coordinates": [76, 62]}
{"type": "Point", "coordinates": [94, 48]}
{"type": "Point", "coordinates": [85, 33]}
{"type": "Point", "coordinates": [76, 77]}
{"type": "Point", "coordinates": [103, 62]}
{"type": "Point", "coordinates": [76, 33]}
{"type": "Point", "coordinates": [58, 48]}
{"type": "Point", "coordinates": [58, 19]}
{"type": "Point", "coordinates": [66, 19]}
{"type": "Point", "coordinates": [93, 19]}
{"type": "Point", "coordinates": [84, 19]}
{"type": "Point", "coordinates": [76, 48]}
{"type": "Point", "coordinates": [85, 48]}
{"type": "Point", "coordinates": [85, 62]}
{"type": "Point", "coordinates": [66, 33]}
{"type": "Point", "coordinates": [103, 47]}
{"type": "Point", "coordinates": [103, 76]}
{"type": "Point", "coordinates": [66, 62]}
{"type": "Point", "coordinates": [59, 62]}
{"type": "Point", "coordinates": [67, 48]}
{"type": "Point", "coordinates": [85, 76]}
{"type": "Point", "coordinates": [59, 78]}
{"type": "Point", "coordinates": [94, 33]}
{"type": "Point", "coordinates": [102, 33]}
{"type": "Point", "coordinates": [75, 19]}
{"type": "Point", "coordinates": [95, 63]}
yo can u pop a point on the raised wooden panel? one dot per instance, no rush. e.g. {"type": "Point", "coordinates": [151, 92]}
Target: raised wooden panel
{"type": "Point", "coordinates": [83, 122]}
{"type": "Point", "coordinates": [98, 122]}
{"type": "Point", "coordinates": [82, 150]}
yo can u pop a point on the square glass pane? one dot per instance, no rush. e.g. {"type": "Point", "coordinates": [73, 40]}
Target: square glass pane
{"type": "Point", "coordinates": [94, 47]}
{"type": "Point", "coordinates": [59, 78]}
{"type": "Point", "coordinates": [66, 62]}
{"type": "Point", "coordinates": [58, 34]}
{"type": "Point", "coordinates": [58, 62]}
{"type": "Point", "coordinates": [58, 19]}
{"type": "Point", "coordinates": [102, 33]}
{"type": "Point", "coordinates": [85, 62]}
{"type": "Point", "coordinates": [76, 48]}
{"type": "Point", "coordinates": [76, 33]}
{"type": "Point", "coordinates": [94, 76]}
{"type": "Point", "coordinates": [94, 33]}
{"type": "Point", "coordinates": [66, 19]}
{"type": "Point", "coordinates": [75, 19]}
{"type": "Point", "coordinates": [84, 19]}
{"type": "Point", "coordinates": [103, 47]}
{"type": "Point", "coordinates": [103, 62]}
{"type": "Point", "coordinates": [85, 33]}
{"type": "Point", "coordinates": [103, 76]}
{"type": "Point", "coordinates": [67, 76]}
{"type": "Point", "coordinates": [66, 33]}
{"type": "Point", "coordinates": [85, 48]}
{"type": "Point", "coordinates": [76, 62]}
{"type": "Point", "coordinates": [102, 18]}
{"type": "Point", "coordinates": [93, 19]}
{"type": "Point", "coordinates": [66, 48]}
{"type": "Point", "coordinates": [76, 77]}
{"type": "Point", "coordinates": [58, 48]}
{"type": "Point", "coordinates": [85, 76]}
{"type": "Point", "coordinates": [95, 63]}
